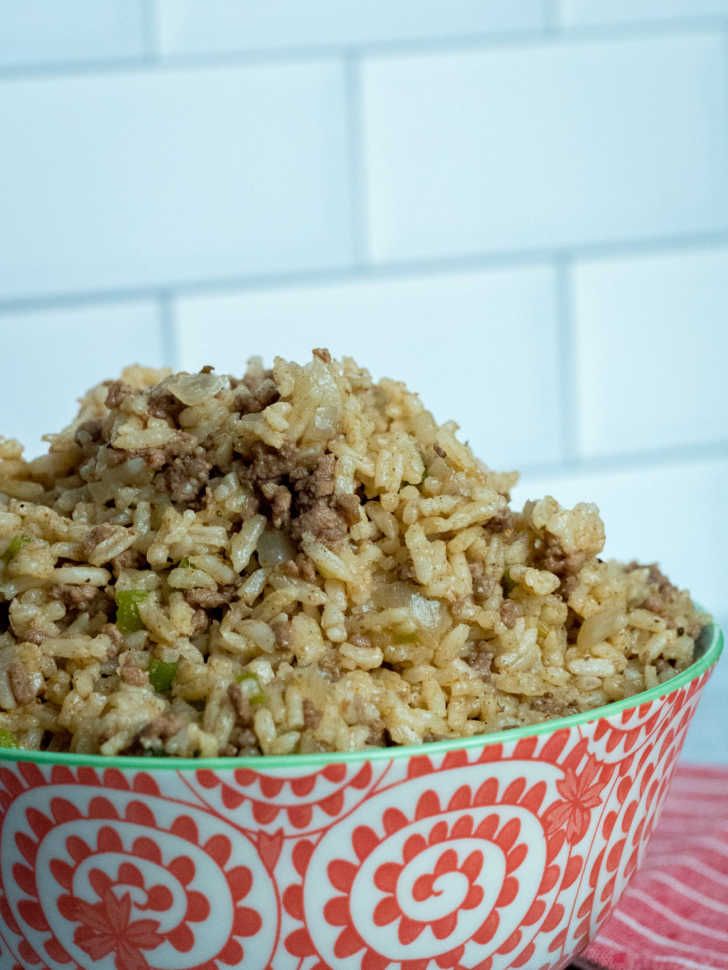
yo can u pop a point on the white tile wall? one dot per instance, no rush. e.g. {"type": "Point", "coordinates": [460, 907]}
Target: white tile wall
{"type": "Point", "coordinates": [649, 338]}
{"type": "Point", "coordinates": [45, 31]}
{"type": "Point", "coordinates": [439, 333]}
{"type": "Point", "coordinates": [218, 25]}
{"type": "Point", "coordinates": [51, 357]}
{"type": "Point", "coordinates": [158, 177]}
{"type": "Point", "coordinates": [602, 12]}
{"type": "Point", "coordinates": [555, 145]}
{"type": "Point", "coordinates": [311, 183]}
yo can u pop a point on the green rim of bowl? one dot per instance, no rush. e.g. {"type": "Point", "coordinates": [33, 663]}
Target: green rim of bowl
{"type": "Point", "coordinates": [710, 645]}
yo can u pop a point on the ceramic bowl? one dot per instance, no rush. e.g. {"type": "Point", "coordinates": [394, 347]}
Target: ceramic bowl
{"type": "Point", "coordinates": [507, 850]}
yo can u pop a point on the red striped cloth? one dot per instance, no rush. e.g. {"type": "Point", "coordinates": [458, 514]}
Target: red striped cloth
{"type": "Point", "coordinates": [674, 914]}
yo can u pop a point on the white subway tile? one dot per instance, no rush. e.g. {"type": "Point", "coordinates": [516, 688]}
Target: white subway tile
{"type": "Point", "coordinates": [673, 514]}
{"type": "Point", "coordinates": [707, 739]}
{"type": "Point", "coordinates": [578, 13]}
{"type": "Point", "coordinates": [51, 357]}
{"type": "Point", "coordinates": [479, 347]}
{"type": "Point", "coordinates": [217, 25]}
{"type": "Point", "coordinates": [148, 177]}
{"type": "Point", "coordinates": [651, 346]}
{"type": "Point", "coordinates": [539, 146]}
{"type": "Point", "coordinates": [52, 32]}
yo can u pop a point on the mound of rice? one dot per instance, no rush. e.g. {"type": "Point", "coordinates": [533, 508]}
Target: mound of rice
{"type": "Point", "coordinates": [300, 560]}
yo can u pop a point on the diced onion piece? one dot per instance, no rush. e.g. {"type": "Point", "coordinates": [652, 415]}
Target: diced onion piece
{"type": "Point", "coordinates": [193, 389]}
{"type": "Point", "coordinates": [274, 547]}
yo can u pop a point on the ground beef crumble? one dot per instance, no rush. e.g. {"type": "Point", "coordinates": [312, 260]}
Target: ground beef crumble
{"type": "Point", "coordinates": [88, 433]}
{"type": "Point", "coordinates": [510, 612]}
{"type": "Point", "coordinates": [481, 659]}
{"type": "Point", "coordinates": [186, 476]}
{"type": "Point", "coordinates": [298, 491]}
{"type": "Point", "coordinates": [160, 730]}
{"type": "Point", "coordinates": [116, 393]}
{"type": "Point", "coordinates": [163, 404]}
{"type": "Point", "coordinates": [133, 675]}
{"type": "Point", "coordinates": [82, 599]}
{"type": "Point", "coordinates": [95, 536]}
{"type": "Point", "coordinates": [552, 557]}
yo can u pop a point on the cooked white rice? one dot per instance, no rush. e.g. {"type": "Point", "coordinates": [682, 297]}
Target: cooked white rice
{"type": "Point", "coordinates": [300, 560]}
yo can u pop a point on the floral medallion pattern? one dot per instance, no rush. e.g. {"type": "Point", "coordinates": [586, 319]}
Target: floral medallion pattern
{"type": "Point", "coordinates": [497, 856]}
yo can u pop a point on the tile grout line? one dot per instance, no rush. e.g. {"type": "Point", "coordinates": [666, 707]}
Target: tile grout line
{"type": "Point", "coordinates": [168, 322]}
{"type": "Point", "coordinates": [552, 15]}
{"type": "Point", "coordinates": [457, 43]}
{"type": "Point", "coordinates": [357, 174]}
{"type": "Point", "coordinates": [151, 32]}
{"type": "Point", "coordinates": [568, 360]}
{"type": "Point", "coordinates": [682, 456]}
{"type": "Point", "coordinates": [392, 270]}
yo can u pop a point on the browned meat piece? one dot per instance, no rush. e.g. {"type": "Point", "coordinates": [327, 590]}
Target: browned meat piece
{"type": "Point", "coordinates": [329, 664]}
{"type": "Point", "coordinates": [161, 729]}
{"type": "Point", "coordinates": [242, 742]}
{"type": "Point", "coordinates": [35, 636]}
{"type": "Point", "coordinates": [255, 395]}
{"type": "Point", "coordinates": [265, 465]}
{"type": "Point", "coordinates": [163, 404]}
{"type": "Point", "coordinates": [557, 561]}
{"type": "Point", "coordinates": [128, 559]}
{"type": "Point", "coordinates": [483, 586]}
{"type": "Point", "coordinates": [377, 736]}
{"type": "Point", "coordinates": [186, 476]}
{"type": "Point", "coordinates": [662, 596]}
{"type": "Point", "coordinates": [241, 703]}
{"type": "Point", "coordinates": [88, 433]}
{"type": "Point", "coordinates": [552, 707]}
{"type": "Point", "coordinates": [482, 658]}
{"type": "Point", "coordinates": [255, 376]}
{"type": "Point", "coordinates": [501, 522]}
{"type": "Point", "coordinates": [322, 521]}
{"type": "Point", "coordinates": [116, 393]}
{"type": "Point", "coordinates": [406, 572]}
{"type": "Point", "coordinates": [509, 612]}
{"type": "Point", "coordinates": [200, 622]}
{"type": "Point", "coordinates": [280, 499]}
{"type": "Point", "coordinates": [311, 715]}
{"type": "Point", "coordinates": [182, 444]}
{"type": "Point", "coordinates": [95, 536]}
{"type": "Point", "coordinates": [81, 599]}
{"type": "Point", "coordinates": [298, 489]}
{"type": "Point", "coordinates": [132, 675]}
{"type": "Point", "coordinates": [323, 354]}
{"type": "Point", "coordinates": [21, 683]}
{"type": "Point", "coordinates": [209, 599]}
{"type": "Point", "coordinates": [318, 483]}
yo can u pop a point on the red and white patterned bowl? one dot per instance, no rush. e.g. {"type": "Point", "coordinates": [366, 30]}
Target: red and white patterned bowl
{"type": "Point", "coordinates": [495, 852]}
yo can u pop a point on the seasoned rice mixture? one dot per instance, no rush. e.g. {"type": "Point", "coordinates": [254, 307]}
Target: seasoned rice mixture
{"type": "Point", "coordinates": [300, 560]}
